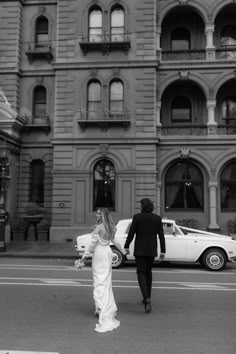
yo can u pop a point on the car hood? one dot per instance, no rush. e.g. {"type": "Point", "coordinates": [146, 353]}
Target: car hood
{"type": "Point", "coordinates": [85, 236]}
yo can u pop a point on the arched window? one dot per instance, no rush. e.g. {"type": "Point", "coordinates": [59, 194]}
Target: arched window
{"type": "Point", "coordinates": [180, 39]}
{"type": "Point", "coordinates": [229, 107]}
{"type": "Point", "coordinates": [95, 25]}
{"type": "Point", "coordinates": [181, 109]}
{"type": "Point", "coordinates": [228, 187]}
{"type": "Point", "coordinates": [228, 36]}
{"type": "Point", "coordinates": [104, 185]}
{"type": "Point", "coordinates": [116, 97]}
{"type": "Point", "coordinates": [183, 187]}
{"type": "Point", "coordinates": [41, 32]}
{"type": "Point", "coordinates": [40, 102]}
{"type": "Point", "coordinates": [94, 103]}
{"type": "Point", "coordinates": [117, 24]}
{"type": "Point", "coordinates": [37, 181]}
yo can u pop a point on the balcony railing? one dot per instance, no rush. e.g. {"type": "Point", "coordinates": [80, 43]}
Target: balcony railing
{"type": "Point", "coordinates": [37, 123]}
{"type": "Point", "coordinates": [184, 129]}
{"type": "Point", "coordinates": [39, 51]}
{"type": "Point", "coordinates": [228, 53]}
{"type": "Point", "coordinates": [193, 54]}
{"type": "Point", "coordinates": [103, 119]}
{"type": "Point", "coordinates": [105, 42]}
{"type": "Point", "coordinates": [197, 130]}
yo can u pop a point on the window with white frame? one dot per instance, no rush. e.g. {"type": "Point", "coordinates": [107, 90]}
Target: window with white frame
{"type": "Point", "coordinates": [117, 24]}
{"type": "Point", "coordinates": [41, 32]}
{"type": "Point", "coordinates": [94, 100]}
{"type": "Point", "coordinates": [95, 25]}
{"type": "Point", "coordinates": [116, 103]}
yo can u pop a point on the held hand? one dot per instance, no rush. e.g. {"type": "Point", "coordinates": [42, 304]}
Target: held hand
{"type": "Point", "coordinates": [127, 252]}
{"type": "Point", "coordinates": [162, 257]}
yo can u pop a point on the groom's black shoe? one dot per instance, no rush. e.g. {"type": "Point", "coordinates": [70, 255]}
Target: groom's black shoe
{"type": "Point", "coordinates": [148, 305]}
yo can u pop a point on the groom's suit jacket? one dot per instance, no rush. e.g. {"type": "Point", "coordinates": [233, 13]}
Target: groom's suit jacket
{"type": "Point", "coordinates": [146, 227]}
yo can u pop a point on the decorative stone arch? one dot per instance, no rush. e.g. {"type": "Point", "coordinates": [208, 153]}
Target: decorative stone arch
{"type": "Point", "coordinates": [90, 159]}
{"type": "Point", "coordinates": [86, 10]}
{"type": "Point", "coordinates": [222, 79]}
{"type": "Point", "coordinates": [222, 159]}
{"type": "Point", "coordinates": [197, 6]}
{"type": "Point", "coordinates": [194, 156]}
{"type": "Point", "coordinates": [172, 78]}
{"type": "Point", "coordinates": [218, 5]}
{"type": "Point", "coordinates": [42, 12]}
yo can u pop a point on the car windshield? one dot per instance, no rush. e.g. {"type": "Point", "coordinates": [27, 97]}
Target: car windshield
{"type": "Point", "coordinates": [123, 227]}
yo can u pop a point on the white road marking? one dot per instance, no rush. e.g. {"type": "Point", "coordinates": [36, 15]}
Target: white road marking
{"type": "Point", "coordinates": [117, 284]}
{"type": "Point", "coordinates": [119, 270]}
{"type": "Point", "coordinates": [23, 352]}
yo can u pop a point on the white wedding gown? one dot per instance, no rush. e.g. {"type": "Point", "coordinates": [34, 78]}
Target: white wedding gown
{"type": "Point", "coordinates": [102, 280]}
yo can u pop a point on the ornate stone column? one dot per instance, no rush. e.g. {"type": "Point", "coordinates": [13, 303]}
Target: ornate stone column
{"type": "Point", "coordinates": [158, 42]}
{"type": "Point", "coordinates": [158, 117]}
{"type": "Point", "coordinates": [212, 206]}
{"type": "Point", "coordinates": [211, 123]}
{"type": "Point", "coordinates": [158, 200]}
{"type": "Point", "coordinates": [210, 48]}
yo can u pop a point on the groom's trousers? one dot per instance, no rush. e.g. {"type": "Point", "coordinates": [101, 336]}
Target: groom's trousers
{"type": "Point", "coordinates": [144, 266]}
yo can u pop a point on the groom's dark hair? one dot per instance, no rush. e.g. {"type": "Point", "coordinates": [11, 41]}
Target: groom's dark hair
{"type": "Point", "coordinates": [146, 205]}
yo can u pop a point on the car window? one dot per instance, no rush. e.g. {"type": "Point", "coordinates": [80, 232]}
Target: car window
{"type": "Point", "coordinates": [168, 228]}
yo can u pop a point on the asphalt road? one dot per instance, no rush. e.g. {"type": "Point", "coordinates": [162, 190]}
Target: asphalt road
{"type": "Point", "coordinates": [46, 306]}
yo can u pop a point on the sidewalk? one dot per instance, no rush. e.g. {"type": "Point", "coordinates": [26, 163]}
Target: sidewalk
{"type": "Point", "coordinates": [35, 249]}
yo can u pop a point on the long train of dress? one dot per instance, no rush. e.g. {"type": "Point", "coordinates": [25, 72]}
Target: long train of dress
{"type": "Point", "coordinates": [103, 293]}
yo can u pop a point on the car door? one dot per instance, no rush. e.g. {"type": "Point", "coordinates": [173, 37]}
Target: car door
{"type": "Point", "coordinates": [176, 242]}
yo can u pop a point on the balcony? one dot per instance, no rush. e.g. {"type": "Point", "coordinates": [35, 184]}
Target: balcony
{"type": "Point", "coordinates": [37, 124]}
{"type": "Point", "coordinates": [103, 120]}
{"type": "Point", "coordinates": [184, 129]}
{"type": "Point", "coordinates": [179, 55]}
{"type": "Point", "coordinates": [226, 53]}
{"type": "Point", "coordinates": [105, 43]}
{"type": "Point", "coordinates": [39, 51]}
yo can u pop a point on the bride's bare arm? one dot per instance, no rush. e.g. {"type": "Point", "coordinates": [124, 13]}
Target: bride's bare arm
{"type": "Point", "coordinates": [91, 247]}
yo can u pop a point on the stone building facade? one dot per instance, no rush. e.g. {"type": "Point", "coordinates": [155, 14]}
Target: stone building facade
{"type": "Point", "coordinates": [107, 102]}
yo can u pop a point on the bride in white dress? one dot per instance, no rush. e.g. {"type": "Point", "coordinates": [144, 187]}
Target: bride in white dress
{"type": "Point", "coordinates": [105, 306]}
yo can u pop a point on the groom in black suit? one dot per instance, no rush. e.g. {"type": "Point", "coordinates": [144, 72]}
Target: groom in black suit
{"type": "Point", "coordinates": [146, 226]}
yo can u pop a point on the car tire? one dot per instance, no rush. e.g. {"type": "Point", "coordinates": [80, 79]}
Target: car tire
{"type": "Point", "coordinates": [118, 258]}
{"type": "Point", "coordinates": [214, 259]}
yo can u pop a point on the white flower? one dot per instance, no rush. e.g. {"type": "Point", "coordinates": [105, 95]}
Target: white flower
{"type": "Point", "coordinates": [79, 264]}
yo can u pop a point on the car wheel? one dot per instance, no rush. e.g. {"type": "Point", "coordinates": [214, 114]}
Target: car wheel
{"type": "Point", "coordinates": [118, 258]}
{"type": "Point", "coordinates": [214, 259]}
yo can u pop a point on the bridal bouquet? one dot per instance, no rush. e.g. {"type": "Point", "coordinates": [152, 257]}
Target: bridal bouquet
{"type": "Point", "coordinates": [79, 264]}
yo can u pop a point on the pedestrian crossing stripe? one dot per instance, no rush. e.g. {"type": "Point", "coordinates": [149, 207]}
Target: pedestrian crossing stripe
{"type": "Point", "coordinates": [23, 352]}
{"type": "Point", "coordinates": [58, 281]}
{"type": "Point", "coordinates": [203, 286]}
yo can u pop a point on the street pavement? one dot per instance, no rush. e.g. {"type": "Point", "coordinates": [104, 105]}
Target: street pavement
{"type": "Point", "coordinates": [47, 307]}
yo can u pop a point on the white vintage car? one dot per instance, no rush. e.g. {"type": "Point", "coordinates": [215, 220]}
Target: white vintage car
{"type": "Point", "coordinates": [183, 244]}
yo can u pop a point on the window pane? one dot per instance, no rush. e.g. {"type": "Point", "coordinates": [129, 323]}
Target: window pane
{"type": "Point", "coordinates": [95, 26]}
{"type": "Point", "coordinates": [40, 104]}
{"type": "Point", "coordinates": [116, 91]}
{"type": "Point", "coordinates": [181, 114]}
{"type": "Point", "coordinates": [37, 182]}
{"type": "Point", "coordinates": [180, 39]}
{"type": "Point", "coordinates": [117, 25]}
{"type": "Point", "coordinates": [104, 185]}
{"type": "Point", "coordinates": [183, 187]}
{"type": "Point", "coordinates": [228, 187]}
{"type": "Point", "coordinates": [229, 108]}
{"type": "Point", "coordinates": [94, 91]}
{"type": "Point", "coordinates": [228, 36]}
